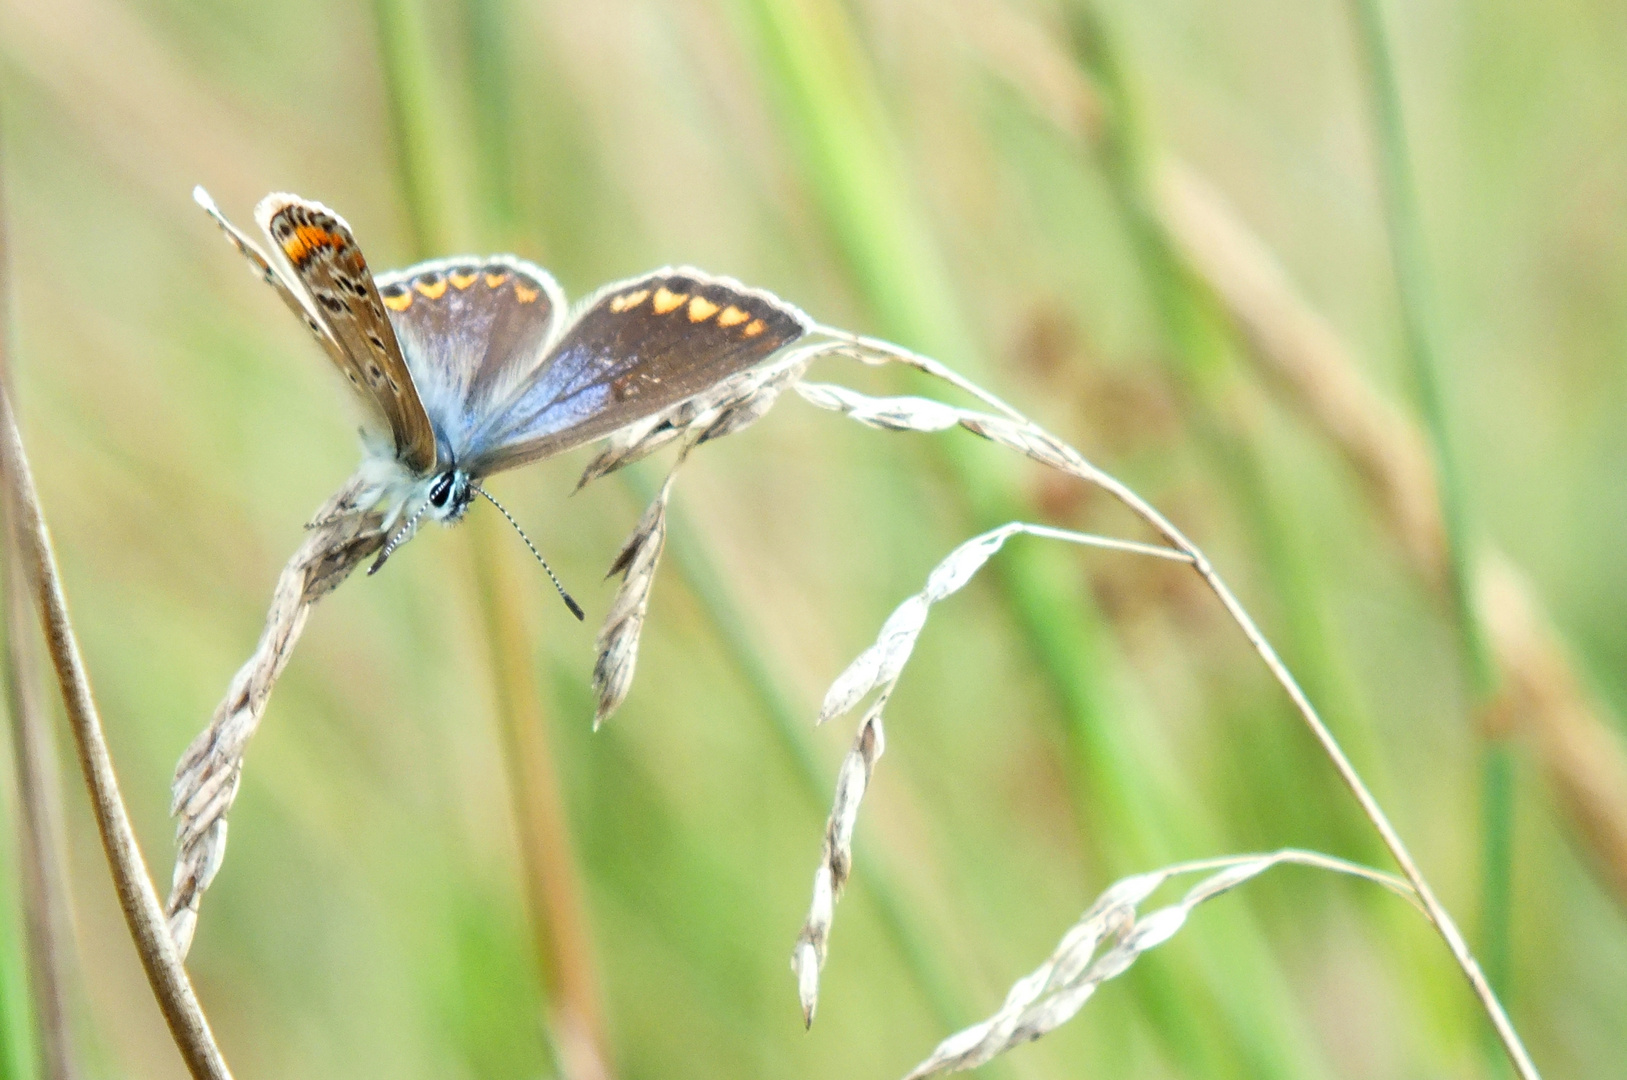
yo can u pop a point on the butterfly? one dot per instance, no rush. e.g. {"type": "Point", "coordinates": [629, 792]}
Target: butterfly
{"type": "Point", "coordinates": [465, 367]}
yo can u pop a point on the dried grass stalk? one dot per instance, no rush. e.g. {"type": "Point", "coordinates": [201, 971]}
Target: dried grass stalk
{"type": "Point", "coordinates": [1305, 359]}
{"type": "Point", "coordinates": [208, 775]}
{"type": "Point", "coordinates": [145, 919]}
{"type": "Point", "coordinates": [617, 643]}
{"type": "Point", "coordinates": [1013, 430]}
{"type": "Point", "coordinates": [342, 535]}
{"type": "Point", "coordinates": [1106, 940]}
{"type": "Point", "coordinates": [1585, 760]}
{"type": "Point", "coordinates": [836, 860]}
{"type": "Point", "coordinates": [881, 665]}
{"type": "Point", "coordinates": [732, 405]}
{"type": "Point", "coordinates": [1582, 754]}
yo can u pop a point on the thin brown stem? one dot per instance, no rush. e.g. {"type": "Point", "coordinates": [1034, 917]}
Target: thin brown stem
{"type": "Point", "coordinates": [559, 924]}
{"type": "Point", "coordinates": [47, 914]}
{"type": "Point", "coordinates": [142, 912]}
{"type": "Point", "coordinates": [1347, 772]}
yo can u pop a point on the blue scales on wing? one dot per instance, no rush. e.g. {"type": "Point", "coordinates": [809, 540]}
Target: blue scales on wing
{"type": "Point", "coordinates": [473, 331]}
{"type": "Point", "coordinates": [632, 350]}
{"type": "Point", "coordinates": [507, 379]}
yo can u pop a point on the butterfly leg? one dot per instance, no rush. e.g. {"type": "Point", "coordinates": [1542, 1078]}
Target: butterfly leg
{"type": "Point", "coordinates": [334, 518]}
{"type": "Point", "coordinates": [401, 536]}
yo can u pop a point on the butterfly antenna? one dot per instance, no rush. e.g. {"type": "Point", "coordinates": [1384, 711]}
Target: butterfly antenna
{"type": "Point", "coordinates": [576, 609]}
{"type": "Point", "coordinates": [397, 540]}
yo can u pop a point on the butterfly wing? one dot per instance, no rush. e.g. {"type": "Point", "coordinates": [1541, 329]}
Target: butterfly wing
{"type": "Point", "coordinates": [267, 272]}
{"type": "Point", "coordinates": [631, 350]}
{"type": "Point", "coordinates": [471, 331]}
{"type": "Point", "coordinates": [322, 254]}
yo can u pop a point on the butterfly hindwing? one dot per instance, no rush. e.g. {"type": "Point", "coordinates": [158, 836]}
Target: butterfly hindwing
{"type": "Point", "coordinates": [631, 350]}
{"type": "Point", "coordinates": [324, 258]}
{"type": "Point", "coordinates": [471, 330]}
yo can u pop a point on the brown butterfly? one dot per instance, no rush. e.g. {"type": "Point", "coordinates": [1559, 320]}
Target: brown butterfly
{"type": "Point", "coordinates": [468, 366]}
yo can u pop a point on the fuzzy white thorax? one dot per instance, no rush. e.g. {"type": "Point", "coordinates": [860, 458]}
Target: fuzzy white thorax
{"type": "Point", "coordinates": [389, 486]}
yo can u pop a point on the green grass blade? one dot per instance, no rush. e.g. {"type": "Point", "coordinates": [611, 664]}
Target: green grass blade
{"type": "Point", "coordinates": [793, 733]}
{"type": "Point", "coordinates": [1410, 263]}
{"type": "Point", "coordinates": [418, 123]}
{"type": "Point", "coordinates": [695, 564]}
{"type": "Point", "coordinates": [20, 1052]}
{"type": "Point", "coordinates": [1200, 351]}
{"type": "Point", "coordinates": [835, 123]}
{"type": "Point", "coordinates": [17, 1049]}
{"type": "Point", "coordinates": [486, 29]}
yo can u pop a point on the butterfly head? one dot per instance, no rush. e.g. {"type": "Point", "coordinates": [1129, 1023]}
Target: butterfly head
{"type": "Point", "coordinates": [450, 493]}
{"type": "Point", "coordinates": [444, 496]}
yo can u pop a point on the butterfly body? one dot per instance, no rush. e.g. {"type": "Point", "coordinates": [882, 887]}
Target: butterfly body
{"type": "Point", "coordinates": [467, 366]}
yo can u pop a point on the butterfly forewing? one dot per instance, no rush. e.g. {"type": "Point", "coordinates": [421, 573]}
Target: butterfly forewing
{"type": "Point", "coordinates": [267, 272]}
{"type": "Point", "coordinates": [324, 258]}
{"type": "Point", "coordinates": [471, 330]}
{"type": "Point", "coordinates": [634, 349]}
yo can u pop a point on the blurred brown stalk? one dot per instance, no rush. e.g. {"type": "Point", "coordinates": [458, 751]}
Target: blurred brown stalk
{"type": "Point", "coordinates": [1318, 374]}
{"type": "Point", "coordinates": [559, 925]}
{"type": "Point", "coordinates": [1542, 698]}
{"type": "Point", "coordinates": [426, 144]}
{"type": "Point", "coordinates": [209, 773]}
{"type": "Point", "coordinates": [48, 916]}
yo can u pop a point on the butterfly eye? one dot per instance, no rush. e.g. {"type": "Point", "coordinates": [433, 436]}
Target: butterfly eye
{"type": "Point", "coordinates": [441, 490]}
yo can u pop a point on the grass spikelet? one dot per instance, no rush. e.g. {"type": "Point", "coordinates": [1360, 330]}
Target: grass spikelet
{"type": "Point", "coordinates": [732, 405]}
{"type": "Point", "coordinates": [617, 643]}
{"type": "Point", "coordinates": [880, 666]}
{"type": "Point", "coordinates": [1108, 938]}
{"type": "Point", "coordinates": [886, 414]}
{"type": "Point", "coordinates": [836, 859]}
{"type": "Point", "coordinates": [207, 777]}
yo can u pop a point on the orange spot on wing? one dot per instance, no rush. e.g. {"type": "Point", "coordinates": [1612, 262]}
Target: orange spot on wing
{"type": "Point", "coordinates": [732, 316]}
{"type": "Point", "coordinates": [628, 301]}
{"type": "Point", "coordinates": [432, 289]}
{"type": "Point", "coordinates": [701, 309]}
{"type": "Point", "coordinates": [462, 281]}
{"type": "Point", "coordinates": [399, 302]}
{"type": "Point", "coordinates": [755, 327]}
{"type": "Point", "coordinates": [525, 295]}
{"type": "Point", "coordinates": [306, 241]}
{"type": "Point", "coordinates": [665, 300]}
{"type": "Point", "coordinates": [495, 281]}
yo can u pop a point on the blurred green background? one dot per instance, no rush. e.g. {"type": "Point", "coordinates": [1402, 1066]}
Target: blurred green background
{"type": "Point", "coordinates": [894, 167]}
